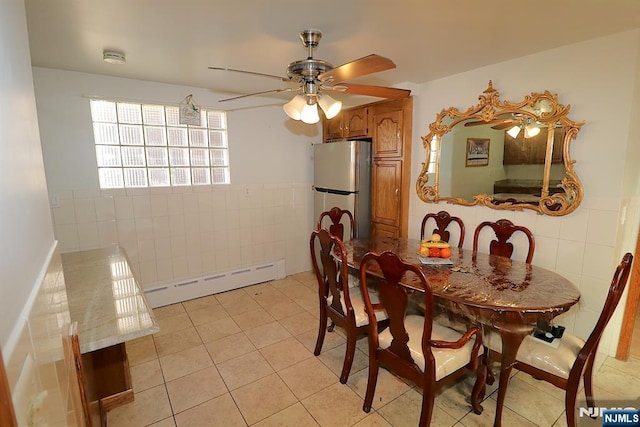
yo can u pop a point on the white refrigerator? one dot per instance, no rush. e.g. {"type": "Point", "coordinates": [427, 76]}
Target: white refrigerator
{"type": "Point", "coordinates": [342, 178]}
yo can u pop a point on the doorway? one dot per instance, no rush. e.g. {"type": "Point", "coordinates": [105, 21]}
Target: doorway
{"type": "Point", "coordinates": [629, 344]}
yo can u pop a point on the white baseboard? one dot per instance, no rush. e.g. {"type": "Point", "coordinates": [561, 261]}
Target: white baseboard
{"type": "Point", "coordinates": [214, 284]}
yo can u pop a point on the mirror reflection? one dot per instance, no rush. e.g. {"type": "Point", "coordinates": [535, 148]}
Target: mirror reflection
{"type": "Point", "coordinates": [503, 155]}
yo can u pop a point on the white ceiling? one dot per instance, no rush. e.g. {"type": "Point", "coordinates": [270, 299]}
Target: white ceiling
{"type": "Point", "coordinates": [174, 41]}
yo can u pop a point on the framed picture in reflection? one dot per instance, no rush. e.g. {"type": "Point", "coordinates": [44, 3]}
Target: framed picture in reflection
{"type": "Point", "coordinates": [477, 152]}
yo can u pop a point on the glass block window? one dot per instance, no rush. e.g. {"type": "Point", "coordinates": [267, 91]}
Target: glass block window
{"type": "Point", "coordinates": [141, 145]}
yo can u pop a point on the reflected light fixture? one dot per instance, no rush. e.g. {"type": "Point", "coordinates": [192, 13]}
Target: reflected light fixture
{"type": "Point", "coordinates": [530, 131]}
{"type": "Point", "coordinates": [305, 107]}
{"type": "Point", "coordinates": [514, 132]}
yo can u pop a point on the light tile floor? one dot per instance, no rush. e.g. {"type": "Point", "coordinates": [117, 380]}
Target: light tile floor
{"type": "Point", "coordinates": [245, 357]}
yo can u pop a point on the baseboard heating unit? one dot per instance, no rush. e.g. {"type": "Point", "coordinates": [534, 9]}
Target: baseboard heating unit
{"type": "Point", "coordinates": [214, 283]}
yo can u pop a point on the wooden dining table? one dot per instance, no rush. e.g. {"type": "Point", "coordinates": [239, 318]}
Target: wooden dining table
{"type": "Point", "coordinates": [506, 295]}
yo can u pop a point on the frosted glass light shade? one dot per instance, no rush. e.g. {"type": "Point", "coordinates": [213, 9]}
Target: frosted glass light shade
{"type": "Point", "coordinates": [531, 131]}
{"type": "Point", "coordinates": [310, 114]}
{"type": "Point", "coordinates": [294, 107]}
{"type": "Point", "coordinates": [330, 106]}
{"type": "Point", "coordinates": [514, 131]}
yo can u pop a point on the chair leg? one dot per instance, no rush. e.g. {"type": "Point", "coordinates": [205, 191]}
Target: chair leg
{"type": "Point", "coordinates": [348, 357]}
{"type": "Point", "coordinates": [428, 401]}
{"type": "Point", "coordinates": [321, 331]}
{"type": "Point", "coordinates": [479, 388]}
{"type": "Point", "coordinates": [371, 384]}
{"type": "Point", "coordinates": [570, 406]}
{"type": "Point", "coordinates": [588, 382]}
{"type": "Point", "coordinates": [486, 360]}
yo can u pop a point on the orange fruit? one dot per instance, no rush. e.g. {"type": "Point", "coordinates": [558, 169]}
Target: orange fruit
{"type": "Point", "coordinates": [445, 253]}
{"type": "Point", "coordinates": [434, 252]}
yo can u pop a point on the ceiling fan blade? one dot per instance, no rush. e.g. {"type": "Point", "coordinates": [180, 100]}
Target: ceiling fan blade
{"type": "Point", "coordinates": [261, 93]}
{"type": "Point", "coordinates": [504, 125]}
{"type": "Point", "coordinates": [360, 67]}
{"type": "Point", "coordinates": [378, 91]}
{"type": "Point", "coordinates": [283, 79]}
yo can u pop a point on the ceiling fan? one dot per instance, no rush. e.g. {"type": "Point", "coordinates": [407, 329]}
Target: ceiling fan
{"type": "Point", "coordinates": [313, 77]}
{"type": "Point", "coordinates": [514, 125]}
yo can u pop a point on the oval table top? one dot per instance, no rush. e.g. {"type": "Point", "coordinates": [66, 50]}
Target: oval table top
{"type": "Point", "coordinates": [480, 282]}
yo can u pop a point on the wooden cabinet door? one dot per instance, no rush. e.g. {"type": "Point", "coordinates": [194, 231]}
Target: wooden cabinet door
{"type": "Point", "coordinates": [384, 230]}
{"type": "Point", "coordinates": [332, 129]}
{"type": "Point", "coordinates": [356, 123]}
{"type": "Point", "coordinates": [387, 134]}
{"type": "Point", "coordinates": [386, 183]}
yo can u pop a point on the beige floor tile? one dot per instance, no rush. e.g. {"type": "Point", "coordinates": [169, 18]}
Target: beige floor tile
{"type": "Point", "coordinates": [334, 359]}
{"type": "Point", "coordinates": [167, 422]}
{"type": "Point", "coordinates": [251, 319]}
{"type": "Point", "coordinates": [199, 303]}
{"type": "Point", "coordinates": [286, 282]}
{"type": "Point", "coordinates": [170, 324]}
{"type": "Point", "coordinates": [406, 409]}
{"type": "Point", "coordinates": [345, 404]}
{"type": "Point", "coordinates": [185, 362]}
{"type": "Point", "coordinates": [146, 338]}
{"type": "Point", "coordinates": [168, 311]}
{"type": "Point", "coordinates": [208, 314]}
{"type": "Point", "coordinates": [267, 334]}
{"type": "Point", "coordinates": [284, 309]}
{"type": "Point", "coordinates": [455, 398]}
{"type": "Point", "coordinates": [509, 417]}
{"type": "Point", "coordinates": [305, 276]}
{"type": "Point", "coordinates": [308, 377]}
{"type": "Point", "coordinates": [308, 301]}
{"type": "Point", "coordinates": [218, 329]}
{"type": "Point", "coordinates": [295, 415]}
{"type": "Point", "coordinates": [195, 388]}
{"type": "Point", "coordinates": [174, 342]}
{"type": "Point", "coordinates": [373, 420]}
{"type": "Point", "coordinates": [388, 386]}
{"type": "Point", "coordinates": [230, 297]}
{"type": "Point", "coordinates": [267, 296]}
{"type": "Point", "coordinates": [309, 338]}
{"type": "Point", "coordinates": [149, 406]}
{"type": "Point", "coordinates": [298, 291]}
{"type": "Point", "coordinates": [299, 323]}
{"type": "Point", "coordinates": [285, 353]}
{"type": "Point", "coordinates": [241, 305]}
{"type": "Point", "coordinates": [146, 375]}
{"type": "Point", "coordinates": [526, 400]}
{"type": "Point", "coordinates": [263, 398]}
{"type": "Point", "coordinates": [244, 369]}
{"type": "Point", "coordinates": [229, 347]}
{"type": "Point", "coordinates": [141, 351]}
{"type": "Point", "coordinates": [221, 411]}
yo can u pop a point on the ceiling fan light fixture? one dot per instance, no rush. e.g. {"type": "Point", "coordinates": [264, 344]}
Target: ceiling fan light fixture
{"type": "Point", "coordinates": [294, 107]}
{"type": "Point", "coordinates": [309, 114]}
{"type": "Point", "coordinates": [530, 131]}
{"type": "Point", "coordinates": [330, 106]}
{"type": "Point", "coordinates": [514, 131]}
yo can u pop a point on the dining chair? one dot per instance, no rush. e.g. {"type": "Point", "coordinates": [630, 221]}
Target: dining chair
{"type": "Point", "coordinates": [412, 346]}
{"type": "Point", "coordinates": [339, 302]}
{"type": "Point", "coordinates": [504, 230]}
{"type": "Point", "coordinates": [336, 228]}
{"type": "Point", "coordinates": [573, 359]}
{"type": "Point", "coordinates": [87, 413]}
{"type": "Point", "coordinates": [443, 219]}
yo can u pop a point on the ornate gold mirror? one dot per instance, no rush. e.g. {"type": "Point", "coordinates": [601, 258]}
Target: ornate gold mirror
{"type": "Point", "coordinates": [509, 156]}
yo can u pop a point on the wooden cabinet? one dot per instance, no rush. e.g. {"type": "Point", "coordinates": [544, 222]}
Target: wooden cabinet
{"type": "Point", "coordinates": [348, 124]}
{"type": "Point", "coordinates": [531, 151]}
{"type": "Point", "coordinates": [390, 176]}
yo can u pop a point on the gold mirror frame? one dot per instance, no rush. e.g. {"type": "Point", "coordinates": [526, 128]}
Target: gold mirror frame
{"type": "Point", "coordinates": [489, 109]}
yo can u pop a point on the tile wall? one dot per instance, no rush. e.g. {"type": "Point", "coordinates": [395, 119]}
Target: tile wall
{"type": "Point", "coordinates": [173, 234]}
{"type": "Point", "coordinates": [37, 374]}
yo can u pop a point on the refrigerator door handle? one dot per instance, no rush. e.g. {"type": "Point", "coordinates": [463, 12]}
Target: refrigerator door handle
{"type": "Point", "coordinates": [330, 191]}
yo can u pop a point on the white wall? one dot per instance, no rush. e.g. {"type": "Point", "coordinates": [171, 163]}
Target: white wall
{"type": "Point", "coordinates": [172, 235]}
{"type": "Point", "coordinates": [25, 222]}
{"type": "Point", "coordinates": [598, 78]}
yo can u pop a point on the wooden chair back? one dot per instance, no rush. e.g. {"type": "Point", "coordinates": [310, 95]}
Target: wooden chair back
{"type": "Point", "coordinates": [504, 229]}
{"type": "Point", "coordinates": [399, 357]}
{"type": "Point", "coordinates": [443, 219]}
{"type": "Point", "coordinates": [336, 227]}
